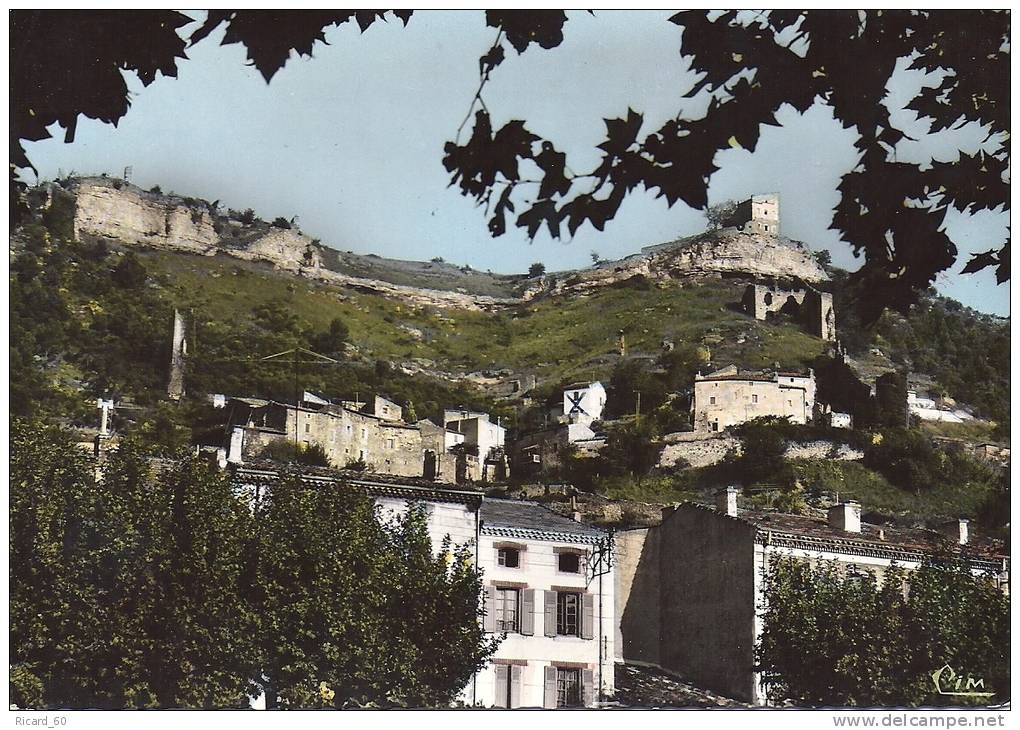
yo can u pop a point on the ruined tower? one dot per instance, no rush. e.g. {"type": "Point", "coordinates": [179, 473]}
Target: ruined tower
{"type": "Point", "coordinates": [178, 353]}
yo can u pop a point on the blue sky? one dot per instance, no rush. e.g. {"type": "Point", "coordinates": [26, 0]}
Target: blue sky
{"type": "Point", "coordinates": [350, 141]}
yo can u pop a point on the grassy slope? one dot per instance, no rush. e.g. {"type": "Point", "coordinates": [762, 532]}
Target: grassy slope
{"type": "Point", "coordinates": [558, 338]}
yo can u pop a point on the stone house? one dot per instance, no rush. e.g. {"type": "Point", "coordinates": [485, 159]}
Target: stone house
{"type": "Point", "coordinates": [729, 397]}
{"type": "Point", "coordinates": [347, 435]}
{"type": "Point", "coordinates": [545, 590]}
{"type": "Point", "coordinates": [547, 586]}
{"type": "Point", "coordinates": [689, 591]}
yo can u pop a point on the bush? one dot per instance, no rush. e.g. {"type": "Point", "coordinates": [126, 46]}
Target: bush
{"type": "Point", "coordinates": [130, 273]}
{"type": "Point", "coordinates": [289, 452]}
{"type": "Point", "coordinates": [281, 222]}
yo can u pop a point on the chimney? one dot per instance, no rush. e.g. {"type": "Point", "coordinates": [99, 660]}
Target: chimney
{"type": "Point", "coordinates": [726, 501]}
{"type": "Point", "coordinates": [956, 530]}
{"type": "Point", "coordinates": [845, 516]}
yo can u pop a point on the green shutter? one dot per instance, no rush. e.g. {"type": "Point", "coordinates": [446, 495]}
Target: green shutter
{"type": "Point", "coordinates": [588, 687]}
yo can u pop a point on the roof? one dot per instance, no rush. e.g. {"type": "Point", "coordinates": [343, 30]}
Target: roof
{"type": "Point", "coordinates": [379, 485]}
{"type": "Point", "coordinates": [531, 520]}
{"type": "Point", "coordinates": [583, 384]}
{"type": "Point", "coordinates": [897, 543]}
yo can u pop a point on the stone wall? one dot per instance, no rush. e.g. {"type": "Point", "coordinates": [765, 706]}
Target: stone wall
{"type": "Point", "coordinates": [700, 450]}
{"type": "Point", "coordinates": [814, 309]}
{"type": "Point", "coordinates": [704, 450]}
{"type": "Point", "coordinates": [636, 556]}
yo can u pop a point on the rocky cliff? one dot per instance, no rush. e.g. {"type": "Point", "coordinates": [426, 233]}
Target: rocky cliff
{"type": "Point", "coordinates": [117, 210]}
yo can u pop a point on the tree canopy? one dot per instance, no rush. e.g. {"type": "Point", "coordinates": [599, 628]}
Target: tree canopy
{"type": "Point", "coordinates": [749, 66]}
{"type": "Point", "coordinates": [159, 585]}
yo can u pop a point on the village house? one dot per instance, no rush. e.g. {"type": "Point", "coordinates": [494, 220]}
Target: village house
{"type": "Point", "coordinates": [487, 441]}
{"type": "Point", "coordinates": [729, 397]}
{"type": "Point", "coordinates": [547, 586]}
{"type": "Point", "coordinates": [689, 591]}
{"type": "Point", "coordinates": [540, 451]}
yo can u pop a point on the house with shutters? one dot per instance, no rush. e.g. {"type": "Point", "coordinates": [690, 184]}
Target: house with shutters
{"type": "Point", "coordinates": [548, 588]}
{"type": "Point", "coordinates": [548, 584]}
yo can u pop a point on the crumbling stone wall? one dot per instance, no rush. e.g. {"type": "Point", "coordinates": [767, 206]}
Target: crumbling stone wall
{"type": "Point", "coordinates": [814, 309]}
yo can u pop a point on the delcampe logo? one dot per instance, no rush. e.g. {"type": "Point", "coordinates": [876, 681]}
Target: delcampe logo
{"type": "Point", "coordinates": [948, 682]}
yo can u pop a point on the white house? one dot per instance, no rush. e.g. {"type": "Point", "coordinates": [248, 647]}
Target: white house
{"type": "Point", "coordinates": [542, 587]}
{"type": "Point", "coordinates": [549, 588]}
{"type": "Point", "coordinates": [584, 402]}
{"type": "Point", "coordinates": [477, 430]}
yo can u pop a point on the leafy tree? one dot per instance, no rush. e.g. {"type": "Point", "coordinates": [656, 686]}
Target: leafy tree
{"type": "Point", "coordinates": [365, 607]}
{"type": "Point", "coordinates": [536, 270]}
{"type": "Point", "coordinates": [752, 65]}
{"type": "Point", "coordinates": [891, 400]}
{"type": "Point", "coordinates": [117, 561]}
{"type": "Point", "coordinates": [718, 214]}
{"type": "Point", "coordinates": [281, 222]}
{"type": "Point", "coordinates": [312, 586]}
{"type": "Point", "coordinates": [835, 639]}
{"type": "Point", "coordinates": [764, 449]}
{"type": "Point", "coordinates": [130, 273]}
{"type": "Point", "coordinates": [334, 338]}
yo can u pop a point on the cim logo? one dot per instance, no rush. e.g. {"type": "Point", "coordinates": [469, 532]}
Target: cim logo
{"type": "Point", "coordinates": [948, 682]}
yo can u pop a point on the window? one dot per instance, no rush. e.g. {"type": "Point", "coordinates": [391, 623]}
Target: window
{"type": "Point", "coordinates": [507, 610]}
{"type": "Point", "coordinates": [389, 443]}
{"type": "Point", "coordinates": [568, 613]}
{"type": "Point", "coordinates": [711, 400]}
{"type": "Point", "coordinates": [754, 398]}
{"type": "Point", "coordinates": [568, 562]}
{"type": "Point", "coordinates": [308, 427]}
{"type": "Point", "coordinates": [509, 557]}
{"type": "Point", "coordinates": [715, 425]}
{"type": "Point", "coordinates": [568, 687]}
{"type": "Point", "coordinates": [349, 429]}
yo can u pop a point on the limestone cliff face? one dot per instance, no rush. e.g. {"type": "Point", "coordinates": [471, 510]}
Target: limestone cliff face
{"type": "Point", "coordinates": [729, 251]}
{"type": "Point", "coordinates": [113, 209]}
{"type": "Point", "coordinates": [119, 211]}
{"type": "Point", "coordinates": [137, 218]}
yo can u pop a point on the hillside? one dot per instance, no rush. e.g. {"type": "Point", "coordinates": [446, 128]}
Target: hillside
{"type": "Point", "coordinates": [91, 314]}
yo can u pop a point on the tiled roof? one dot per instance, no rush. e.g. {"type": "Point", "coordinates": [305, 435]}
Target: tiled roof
{"type": "Point", "coordinates": [872, 539]}
{"type": "Point", "coordinates": [519, 518]}
{"type": "Point", "coordinates": [377, 484]}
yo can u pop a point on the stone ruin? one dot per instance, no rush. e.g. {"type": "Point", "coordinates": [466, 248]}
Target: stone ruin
{"type": "Point", "coordinates": [812, 308]}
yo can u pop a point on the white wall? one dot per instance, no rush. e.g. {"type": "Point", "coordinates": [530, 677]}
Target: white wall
{"type": "Point", "coordinates": [455, 520]}
{"type": "Point", "coordinates": [538, 570]}
{"type": "Point", "coordinates": [593, 401]}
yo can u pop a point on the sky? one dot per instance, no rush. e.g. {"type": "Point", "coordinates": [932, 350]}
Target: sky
{"type": "Point", "coordinates": [351, 142]}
